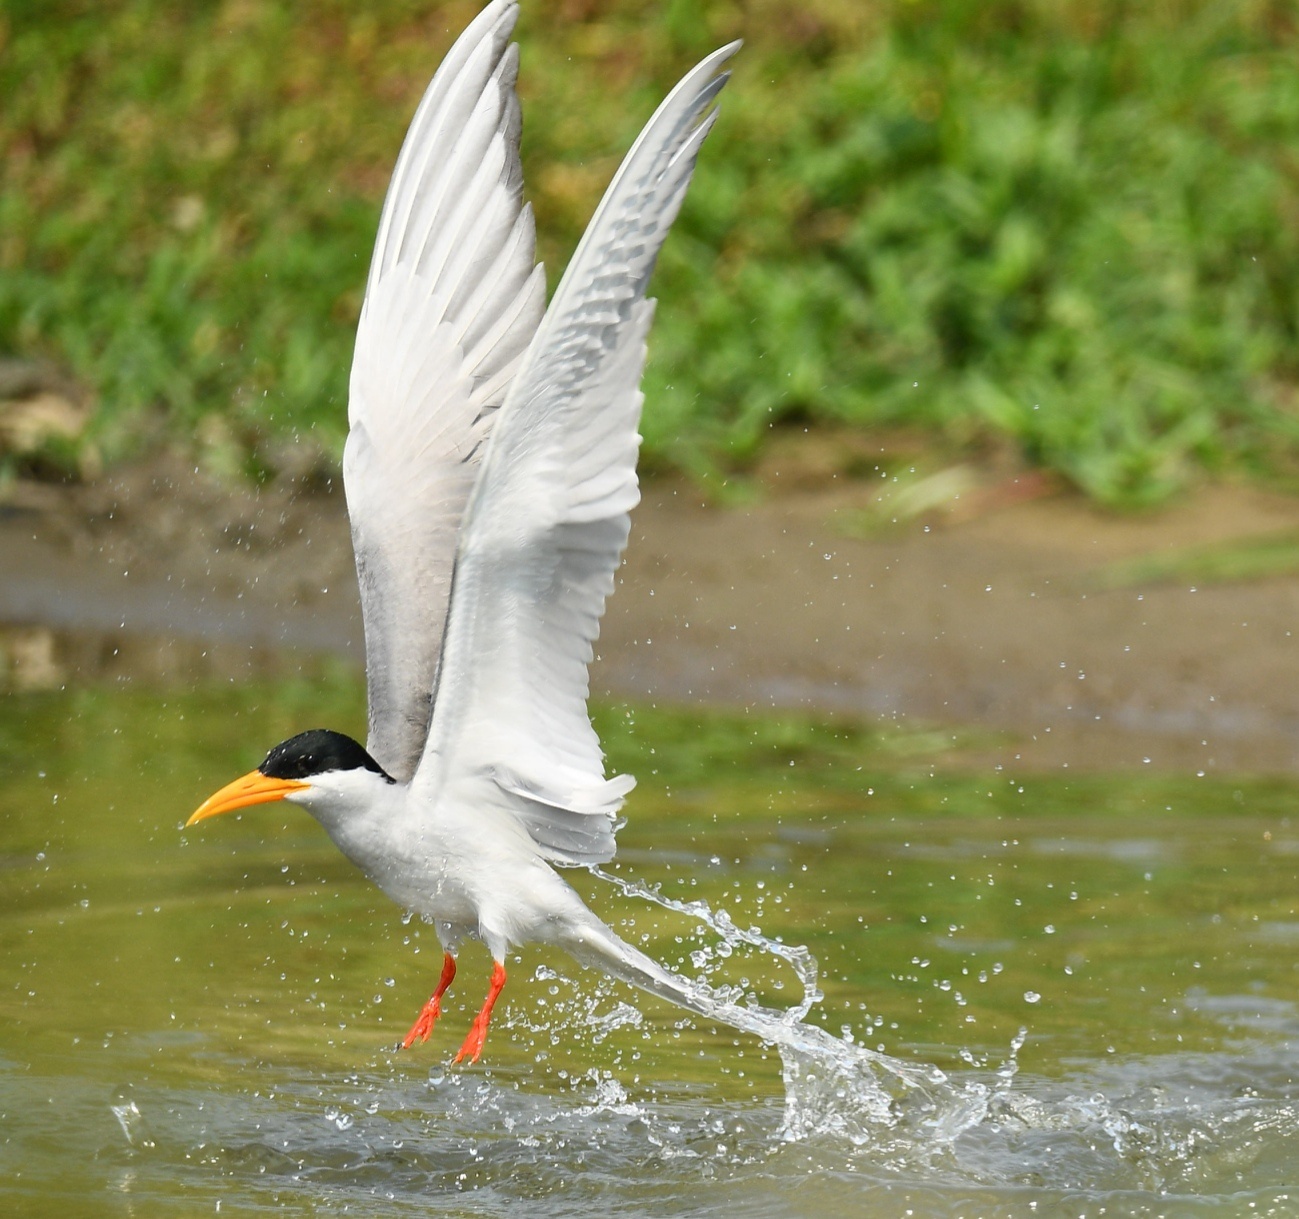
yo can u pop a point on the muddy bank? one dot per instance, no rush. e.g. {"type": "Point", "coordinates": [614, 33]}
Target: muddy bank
{"type": "Point", "coordinates": [997, 618]}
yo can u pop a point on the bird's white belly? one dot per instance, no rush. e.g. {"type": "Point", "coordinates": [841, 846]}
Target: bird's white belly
{"type": "Point", "coordinates": [471, 875]}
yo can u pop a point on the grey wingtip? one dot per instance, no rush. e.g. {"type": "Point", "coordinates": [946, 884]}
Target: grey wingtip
{"type": "Point", "coordinates": [706, 79]}
{"type": "Point", "coordinates": [498, 17]}
{"type": "Point", "coordinates": [491, 12]}
{"type": "Point", "coordinates": [496, 21]}
{"type": "Point", "coordinates": [721, 55]}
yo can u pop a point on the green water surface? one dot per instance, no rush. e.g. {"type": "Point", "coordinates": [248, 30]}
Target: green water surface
{"type": "Point", "coordinates": [203, 1020]}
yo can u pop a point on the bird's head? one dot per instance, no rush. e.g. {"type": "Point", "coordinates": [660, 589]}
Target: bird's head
{"type": "Point", "coordinates": [323, 771]}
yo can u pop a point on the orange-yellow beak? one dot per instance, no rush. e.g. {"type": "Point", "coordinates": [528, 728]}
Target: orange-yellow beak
{"type": "Point", "coordinates": [252, 788]}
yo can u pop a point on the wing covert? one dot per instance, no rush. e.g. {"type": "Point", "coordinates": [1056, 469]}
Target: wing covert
{"type": "Point", "coordinates": [548, 517]}
{"type": "Point", "coordinates": [452, 300]}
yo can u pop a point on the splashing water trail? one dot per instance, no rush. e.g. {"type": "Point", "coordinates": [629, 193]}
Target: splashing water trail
{"type": "Point", "coordinates": [833, 1085]}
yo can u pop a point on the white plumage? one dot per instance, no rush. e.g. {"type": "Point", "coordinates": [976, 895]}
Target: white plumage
{"type": "Point", "coordinates": [490, 471]}
{"type": "Point", "coordinates": [452, 302]}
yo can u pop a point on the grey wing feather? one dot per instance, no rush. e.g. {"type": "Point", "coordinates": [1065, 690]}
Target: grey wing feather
{"type": "Point", "coordinates": [452, 300]}
{"type": "Point", "coordinates": [549, 516]}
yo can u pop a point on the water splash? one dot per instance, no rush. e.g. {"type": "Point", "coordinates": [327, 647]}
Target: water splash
{"type": "Point", "coordinates": [131, 1120]}
{"type": "Point", "coordinates": [833, 1085]}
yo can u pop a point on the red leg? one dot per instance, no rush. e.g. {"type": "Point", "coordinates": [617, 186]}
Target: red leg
{"type": "Point", "coordinates": [473, 1045]}
{"type": "Point", "coordinates": [423, 1025]}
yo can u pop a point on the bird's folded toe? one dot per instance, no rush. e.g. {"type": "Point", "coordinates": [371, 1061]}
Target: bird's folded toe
{"type": "Point", "coordinates": [423, 1026]}
{"type": "Point", "coordinates": [473, 1046]}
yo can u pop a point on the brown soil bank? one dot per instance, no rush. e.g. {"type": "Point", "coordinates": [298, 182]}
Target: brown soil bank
{"type": "Point", "coordinates": [1009, 616]}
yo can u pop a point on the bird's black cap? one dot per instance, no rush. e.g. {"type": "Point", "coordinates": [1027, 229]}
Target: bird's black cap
{"type": "Point", "coordinates": [317, 752]}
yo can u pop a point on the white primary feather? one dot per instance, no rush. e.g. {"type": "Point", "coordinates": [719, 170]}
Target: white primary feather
{"type": "Point", "coordinates": [548, 518]}
{"type": "Point", "coordinates": [452, 300]}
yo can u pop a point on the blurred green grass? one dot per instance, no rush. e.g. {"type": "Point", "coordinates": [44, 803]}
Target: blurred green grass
{"type": "Point", "coordinates": [1068, 228]}
{"type": "Point", "coordinates": [1243, 558]}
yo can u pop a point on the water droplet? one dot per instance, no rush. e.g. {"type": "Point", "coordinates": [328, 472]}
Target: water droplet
{"type": "Point", "coordinates": [343, 1121]}
{"type": "Point", "coordinates": [132, 1123]}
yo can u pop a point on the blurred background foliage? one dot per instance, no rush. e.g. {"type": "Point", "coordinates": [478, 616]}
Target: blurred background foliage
{"type": "Point", "coordinates": [1069, 228]}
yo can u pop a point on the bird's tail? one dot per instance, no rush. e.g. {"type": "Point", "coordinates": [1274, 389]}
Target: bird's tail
{"type": "Point", "coordinates": [593, 943]}
{"type": "Point", "coordinates": [829, 1084]}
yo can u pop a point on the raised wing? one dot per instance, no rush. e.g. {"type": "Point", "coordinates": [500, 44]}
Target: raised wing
{"type": "Point", "coordinates": [549, 516]}
{"type": "Point", "coordinates": [452, 301]}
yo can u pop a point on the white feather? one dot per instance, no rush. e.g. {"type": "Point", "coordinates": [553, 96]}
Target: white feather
{"type": "Point", "coordinates": [452, 300]}
{"type": "Point", "coordinates": [548, 519]}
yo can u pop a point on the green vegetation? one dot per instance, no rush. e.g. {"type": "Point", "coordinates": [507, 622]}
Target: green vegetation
{"type": "Point", "coordinates": [1260, 558]}
{"type": "Point", "coordinates": [1067, 226]}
